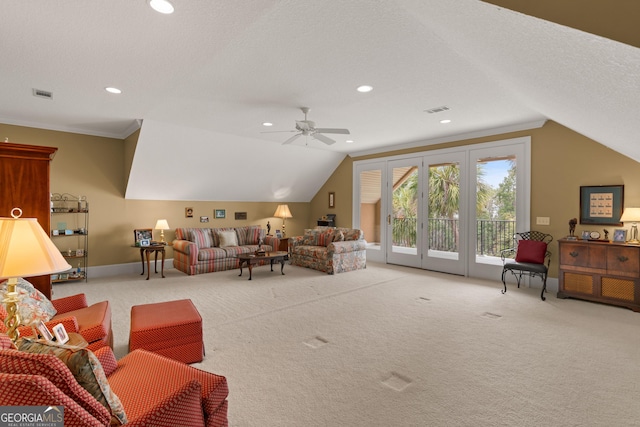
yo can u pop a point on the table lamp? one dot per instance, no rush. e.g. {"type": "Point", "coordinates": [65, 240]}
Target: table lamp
{"type": "Point", "coordinates": [283, 212]}
{"type": "Point", "coordinates": [25, 250]}
{"type": "Point", "coordinates": [162, 225]}
{"type": "Point", "coordinates": [632, 215]}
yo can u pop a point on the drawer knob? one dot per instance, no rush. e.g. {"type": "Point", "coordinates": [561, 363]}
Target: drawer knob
{"type": "Point", "coordinates": [622, 258]}
{"type": "Point", "coordinates": [574, 254]}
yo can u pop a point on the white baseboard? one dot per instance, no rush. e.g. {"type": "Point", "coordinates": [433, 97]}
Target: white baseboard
{"type": "Point", "coordinates": [122, 269]}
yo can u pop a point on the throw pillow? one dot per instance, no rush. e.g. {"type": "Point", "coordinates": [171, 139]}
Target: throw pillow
{"type": "Point", "coordinates": [227, 238]}
{"type": "Point", "coordinates": [338, 236]}
{"type": "Point", "coordinates": [33, 305]}
{"type": "Point", "coordinates": [86, 369]}
{"type": "Point", "coordinates": [202, 237]}
{"type": "Point", "coordinates": [531, 251]}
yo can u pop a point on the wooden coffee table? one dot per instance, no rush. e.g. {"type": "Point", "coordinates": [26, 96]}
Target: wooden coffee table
{"type": "Point", "coordinates": [251, 259]}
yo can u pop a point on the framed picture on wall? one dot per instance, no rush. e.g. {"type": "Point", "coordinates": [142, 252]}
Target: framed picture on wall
{"type": "Point", "coordinates": [332, 199]}
{"type": "Point", "coordinates": [219, 214]}
{"type": "Point", "coordinates": [601, 205]}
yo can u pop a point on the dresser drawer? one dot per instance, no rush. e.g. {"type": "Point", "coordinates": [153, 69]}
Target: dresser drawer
{"type": "Point", "coordinates": [623, 261]}
{"type": "Point", "coordinates": [583, 255]}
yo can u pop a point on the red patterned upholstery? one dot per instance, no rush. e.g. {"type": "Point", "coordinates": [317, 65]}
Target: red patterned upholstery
{"type": "Point", "coordinates": [93, 322]}
{"type": "Point", "coordinates": [154, 390]}
{"type": "Point", "coordinates": [172, 329]}
{"type": "Point", "coordinates": [143, 370]}
{"type": "Point", "coordinates": [24, 389]}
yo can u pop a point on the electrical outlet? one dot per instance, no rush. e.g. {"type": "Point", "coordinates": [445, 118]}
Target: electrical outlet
{"type": "Point", "coordinates": [542, 220]}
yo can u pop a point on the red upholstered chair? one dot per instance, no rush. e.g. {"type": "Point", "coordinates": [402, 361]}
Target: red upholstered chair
{"type": "Point", "coordinates": [154, 390]}
{"type": "Point", "coordinates": [531, 257]}
{"type": "Point", "coordinates": [93, 322]}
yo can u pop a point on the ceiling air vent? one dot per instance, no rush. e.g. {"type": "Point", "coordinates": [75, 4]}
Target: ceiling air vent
{"type": "Point", "coordinates": [437, 109]}
{"type": "Point", "coordinates": [42, 94]}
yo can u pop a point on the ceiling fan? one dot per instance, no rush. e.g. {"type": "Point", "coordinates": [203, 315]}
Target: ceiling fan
{"type": "Point", "coordinates": [308, 128]}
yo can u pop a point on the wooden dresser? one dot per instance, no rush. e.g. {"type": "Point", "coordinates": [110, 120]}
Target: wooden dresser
{"type": "Point", "coordinates": [24, 184]}
{"type": "Point", "coordinates": [600, 271]}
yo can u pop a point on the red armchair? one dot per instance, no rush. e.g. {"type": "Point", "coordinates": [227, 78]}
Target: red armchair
{"type": "Point", "coordinates": [154, 390]}
{"type": "Point", "coordinates": [93, 322]}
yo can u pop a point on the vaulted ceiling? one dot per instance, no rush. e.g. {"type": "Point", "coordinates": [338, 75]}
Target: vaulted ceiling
{"type": "Point", "coordinates": [201, 82]}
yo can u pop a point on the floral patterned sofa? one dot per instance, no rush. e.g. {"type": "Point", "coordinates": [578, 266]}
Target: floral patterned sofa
{"type": "Point", "coordinates": [329, 249]}
{"type": "Point", "coordinates": [205, 250]}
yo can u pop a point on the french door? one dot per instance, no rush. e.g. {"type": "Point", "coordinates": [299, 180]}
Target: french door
{"type": "Point", "coordinates": [445, 220]}
{"type": "Point", "coordinates": [449, 210]}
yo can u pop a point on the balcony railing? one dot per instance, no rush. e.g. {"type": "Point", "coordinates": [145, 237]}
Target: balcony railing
{"type": "Point", "coordinates": [492, 235]}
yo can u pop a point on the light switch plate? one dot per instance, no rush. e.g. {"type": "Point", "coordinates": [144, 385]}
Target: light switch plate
{"type": "Point", "coordinates": [542, 220]}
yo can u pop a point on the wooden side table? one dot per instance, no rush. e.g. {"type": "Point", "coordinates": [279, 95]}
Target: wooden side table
{"type": "Point", "coordinates": [148, 250]}
{"type": "Point", "coordinates": [284, 244]}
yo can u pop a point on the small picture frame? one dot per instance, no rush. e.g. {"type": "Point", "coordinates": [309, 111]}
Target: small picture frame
{"type": "Point", "coordinates": [55, 232]}
{"type": "Point", "coordinates": [63, 276]}
{"type": "Point", "coordinates": [219, 214]}
{"type": "Point", "coordinates": [278, 234]}
{"type": "Point", "coordinates": [145, 242]}
{"type": "Point", "coordinates": [240, 215]}
{"type": "Point", "coordinates": [204, 219]}
{"type": "Point", "coordinates": [61, 333]}
{"type": "Point", "coordinates": [44, 331]}
{"type": "Point", "coordinates": [332, 199]}
{"type": "Point", "coordinates": [142, 234]}
{"type": "Point", "coordinates": [68, 232]}
{"type": "Point", "coordinates": [620, 235]}
{"type": "Point", "coordinates": [188, 212]}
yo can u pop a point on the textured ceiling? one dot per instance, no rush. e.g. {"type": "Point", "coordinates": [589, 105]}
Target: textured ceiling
{"type": "Point", "coordinates": [201, 82]}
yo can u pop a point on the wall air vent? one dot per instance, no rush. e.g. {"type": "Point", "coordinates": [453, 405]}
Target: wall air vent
{"type": "Point", "coordinates": [39, 93]}
{"type": "Point", "coordinates": [437, 109]}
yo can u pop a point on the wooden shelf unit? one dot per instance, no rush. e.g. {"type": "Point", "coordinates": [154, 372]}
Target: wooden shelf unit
{"type": "Point", "coordinates": [600, 271]}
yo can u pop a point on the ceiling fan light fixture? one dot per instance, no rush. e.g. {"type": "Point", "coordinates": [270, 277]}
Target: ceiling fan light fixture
{"type": "Point", "coordinates": [364, 88]}
{"type": "Point", "coordinates": [162, 6]}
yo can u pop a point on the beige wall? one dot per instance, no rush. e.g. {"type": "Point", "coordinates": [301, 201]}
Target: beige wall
{"type": "Point", "coordinates": [96, 167]}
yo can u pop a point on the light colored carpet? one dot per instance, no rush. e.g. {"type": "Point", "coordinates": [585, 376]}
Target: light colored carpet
{"type": "Point", "coordinates": [395, 346]}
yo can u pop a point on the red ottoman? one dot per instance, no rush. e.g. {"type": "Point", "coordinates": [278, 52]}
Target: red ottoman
{"type": "Point", "coordinates": [172, 329]}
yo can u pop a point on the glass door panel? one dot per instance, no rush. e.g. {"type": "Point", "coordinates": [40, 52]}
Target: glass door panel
{"type": "Point", "coordinates": [404, 212]}
{"type": "Point", "coordinates": [370, 179]}
{"type": "Point", "coordinates": [443, 232]}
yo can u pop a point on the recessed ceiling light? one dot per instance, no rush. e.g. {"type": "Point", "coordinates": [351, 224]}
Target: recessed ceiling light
{"type": "Point", "coordinates": [445, 121]}
{"type": "Point", "coordinates": [267, 124]}
{"type": "Point", "coordinates": [364, 88]}
{"type": "Point", "coordinates": [349, 141]}
{"type": "Point", "coordinates": [162, 6]}
{"type": "Point", "coordinates": [112, 90]}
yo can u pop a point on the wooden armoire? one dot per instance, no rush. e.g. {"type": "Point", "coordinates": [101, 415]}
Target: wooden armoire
{"type": "Point", "coordinates": [24, 184]}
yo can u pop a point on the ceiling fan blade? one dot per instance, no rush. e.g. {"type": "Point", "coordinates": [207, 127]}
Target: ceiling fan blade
{"type": "Point", "coordinates": [293, 138]}
{"type": "Point", "coordinates": [323, 138]}
{"type": "Point", "coordinates": [329, 130]}
{"type": "Point", "coordinates": [278, 131]}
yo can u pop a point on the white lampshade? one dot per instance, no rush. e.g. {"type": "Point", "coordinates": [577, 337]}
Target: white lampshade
{"type": "Point", "coordinates": [162, 224]}
{"type": "Point", "coordinates": [630, 215]}
{"type": "Point", "coordinates": [26, 250]}
{"type": "Point", "coordinates": [283, 212]}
